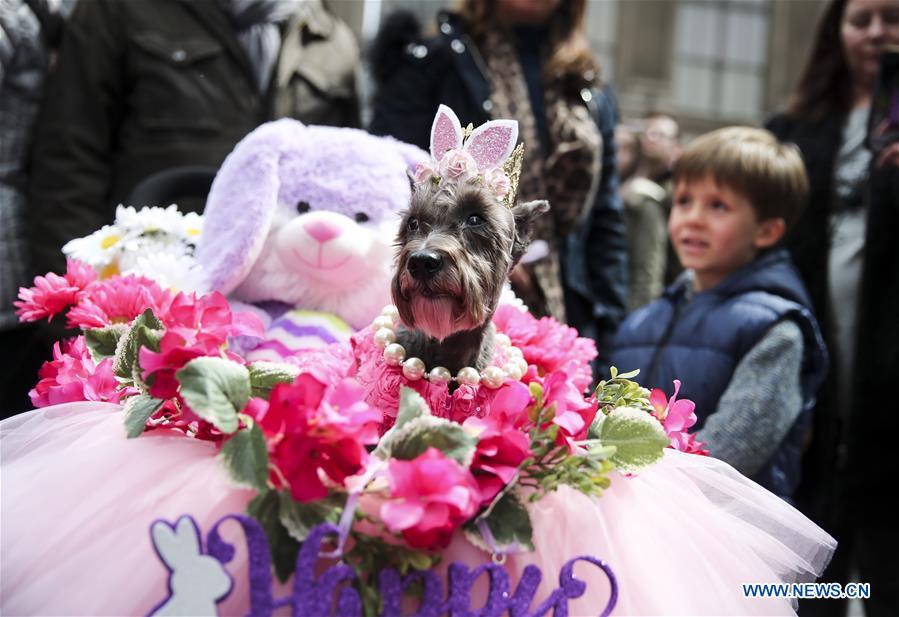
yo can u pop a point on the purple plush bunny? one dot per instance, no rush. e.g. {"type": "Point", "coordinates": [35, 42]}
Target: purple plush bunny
{"type": "Point", "coordinates": [305, 217]}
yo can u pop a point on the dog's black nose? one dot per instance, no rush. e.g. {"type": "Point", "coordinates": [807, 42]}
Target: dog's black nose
{"type": "Point", "coordinates": [422, 265]}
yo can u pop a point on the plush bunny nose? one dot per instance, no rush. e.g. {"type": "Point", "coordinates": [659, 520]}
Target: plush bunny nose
{"type": "Point", "coordinates": [322, 230]}
{"type": "Point", "coordinates": [422, 265]}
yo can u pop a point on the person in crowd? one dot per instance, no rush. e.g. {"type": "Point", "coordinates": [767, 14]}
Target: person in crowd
{"type": "Point", "coordinates": [844, 247]}
{"type": "Point", "coordinates": [660, 143]}
{"type": "Point", "coordinates": [736, 328]}
{"type": "Point", "coordinates": [30, 31]}
{"type": "Point", "coordinates": [528, 61]}
{"type": "Point", "coordinates": [141, 87]}
{"type": "Point", "coordinates": [646, 219]}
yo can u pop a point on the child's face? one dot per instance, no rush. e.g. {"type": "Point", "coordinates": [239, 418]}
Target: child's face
{"type": "Point", "coordinates": [716, 231]}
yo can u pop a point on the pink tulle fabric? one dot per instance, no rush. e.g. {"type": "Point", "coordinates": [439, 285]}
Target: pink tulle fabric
{"type": "Point", "coordinates": [79, 499]}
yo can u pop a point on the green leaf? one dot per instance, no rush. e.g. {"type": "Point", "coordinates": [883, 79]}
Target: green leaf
{"type": "Point", "coordinates": [639, 438]}
{"type": "Point", "coordinates": [412, 406]}
{"type": "Point", "coordinates": [509, 523]}
{"type": "Point", "coordinates": [145, 331]}
{"type": "Point", "coordinates": [425, 432]}
{"type": "Point", "coordinates": [138, 410]}
{"type": "Point", "coordinates": [216, 389]}
{"type": "Point", "coordinates": [245, 456]}
{"type": "Point", "coordinates": [299, 518]}
{"type": "Point", "coordinates": [265, 508]}
{"type": "Point", "coordinates": [102, 342]}
{"type": "Point", "coordinates": [266, 375]}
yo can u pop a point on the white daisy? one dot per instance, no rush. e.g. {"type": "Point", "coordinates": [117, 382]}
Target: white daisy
{"type": "Point", "coordinates": [177, 272]}
{"type": "Point", "coordinates": [147, 220]}
{"type": "Point", "coordinates": [98, 249]}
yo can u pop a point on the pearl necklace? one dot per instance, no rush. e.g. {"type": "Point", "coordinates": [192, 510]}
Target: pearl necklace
{"type": "Point", "coordinates": [493, 377]}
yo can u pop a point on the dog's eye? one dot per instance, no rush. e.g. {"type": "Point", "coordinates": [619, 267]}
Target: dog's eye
{"type": "Point", "coordinates": [474, 220]}
{"type": "Point", "coordinates": [361, 217]}
{"type": "Point", "coordinates": [303, 207]}
{"type": "Point", "coordinates": [412, 225]}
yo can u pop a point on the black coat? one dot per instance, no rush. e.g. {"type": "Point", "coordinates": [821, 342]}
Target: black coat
{"type": "Point", "coordinates": [143, 86]}
{"type": "Point", "coordinates": [416, 74]}
{"type": "Point", "coordinates": [848, 469]}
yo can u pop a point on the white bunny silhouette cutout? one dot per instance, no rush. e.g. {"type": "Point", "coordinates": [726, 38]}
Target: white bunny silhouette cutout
{"type": "Point", "coordinates": [196, 581]}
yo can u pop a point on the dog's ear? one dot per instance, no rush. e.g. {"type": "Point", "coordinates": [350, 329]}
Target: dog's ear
{"type": "Point", "coordinates": [525, 215]}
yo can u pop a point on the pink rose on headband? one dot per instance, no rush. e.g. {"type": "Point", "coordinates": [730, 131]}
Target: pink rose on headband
{"type": "Point", "coordinates": [457, 166]}
{"type": "Point", "coordinates": [424, 172]}
{"type": "Point", "coordinates": [498, 182]}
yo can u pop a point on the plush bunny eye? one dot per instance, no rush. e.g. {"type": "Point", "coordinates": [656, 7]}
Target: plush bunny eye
{"type": "Point", "coordinates": [412, 225]}
{"type": "Point", "coordinates": [474, 220]}
{"type": "Point", "coordinates": [303, 207]}
{"type": "Point", "coordinates": [361, 217]}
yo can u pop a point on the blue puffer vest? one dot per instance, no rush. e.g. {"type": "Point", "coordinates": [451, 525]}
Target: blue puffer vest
{"type": "Point", "coordinates": [702, 341]}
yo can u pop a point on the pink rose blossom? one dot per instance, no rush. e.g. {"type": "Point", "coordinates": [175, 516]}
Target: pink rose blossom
{"type": "Point", "coordinates": [52, 294]}
{"type": "Point", "coordinates": [424, 173]}
{"type": "Point", "coordinates": [314, 430]}
{"type": "Point", "coordinates": [72, 375]}
{"type": "Point", "coordinates": [430, 497]}
{"type": "Point", "coordinates": [497, 182]}
{"type": "Point", "coordinates": [118, 299]}
{"type": "Point", "coordinates": [457, 166]}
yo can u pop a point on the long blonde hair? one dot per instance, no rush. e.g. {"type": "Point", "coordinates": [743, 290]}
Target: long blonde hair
{"type": "Point", "coordinates": [570, 55]}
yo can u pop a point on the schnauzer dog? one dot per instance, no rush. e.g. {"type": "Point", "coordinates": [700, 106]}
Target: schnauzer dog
{"type": "Point", "coordinates": [455, 248]}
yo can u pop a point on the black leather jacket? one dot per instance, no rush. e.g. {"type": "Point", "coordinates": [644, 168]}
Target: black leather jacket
{"type": "Point", "coordinates": [144, 86]}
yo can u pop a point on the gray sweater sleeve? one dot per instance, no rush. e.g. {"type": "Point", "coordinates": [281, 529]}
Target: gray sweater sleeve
{"type": "Point", "coordinates": [761, 402]}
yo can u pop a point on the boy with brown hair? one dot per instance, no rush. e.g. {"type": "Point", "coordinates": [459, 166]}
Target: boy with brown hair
{"type": "Point", "coordinates": [736, 328]}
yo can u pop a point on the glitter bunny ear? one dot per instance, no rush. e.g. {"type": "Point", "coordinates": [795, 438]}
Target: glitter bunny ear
{"type": "Point", "coordinates": [491, 143]}
{"type": "Point", "coordinates": [446, 132]}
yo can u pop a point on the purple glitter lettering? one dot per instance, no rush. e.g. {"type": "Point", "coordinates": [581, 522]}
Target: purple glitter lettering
{"type": "Point", "coordinates": [313, 595]}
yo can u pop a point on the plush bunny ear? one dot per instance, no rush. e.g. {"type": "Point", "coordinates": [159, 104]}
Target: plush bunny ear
{"type": "Point", "coordinates": [178, 544]}
{"type": "Point", "coordinates": [446, 132]}
{"type": "Point", "coordinates": [242, 203]}
{"type": "Point", "coordinates": [491, 143]}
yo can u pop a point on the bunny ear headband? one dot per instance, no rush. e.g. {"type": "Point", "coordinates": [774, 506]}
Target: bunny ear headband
{"type": "Point", "coordinates": [488, 156]}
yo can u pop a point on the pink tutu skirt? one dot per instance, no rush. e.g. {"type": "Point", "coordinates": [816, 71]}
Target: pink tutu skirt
{"type": "Point", "coordinates": [79, 499]}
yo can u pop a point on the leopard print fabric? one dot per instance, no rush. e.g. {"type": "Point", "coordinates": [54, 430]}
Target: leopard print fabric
{"type": "Point", "coordinates": [567, 175]}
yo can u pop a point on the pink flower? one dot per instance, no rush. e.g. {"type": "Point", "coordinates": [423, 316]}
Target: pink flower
{"type": "Point", "coordinates": [52, 294]}
{"type": "Point", "coordinates": [573, 414]}
{"type": "Point", "coordinates": [676, 417]}
{"type": "Point", "coordinates": [118, 299]}
{"type": "Point", "coordinates": [72, 376]}
{"type": "Point", "coordinates": [431, 496]}
{"type": "Point", "coordinates": [313, 430]}
{"type": "Point", "coordinates": [502, 441]}
{"type": "Point", "coordinates": [470, 401]}
{"type": "Point", "coordinates": [457, 166]}
{"type": "Point", "coordinates": [497, 182]}
{"type": "Point", "coordinates": [194, 327]}
{"type": "Point", "coordinates": [207, 321]}
{"type": "Point", "coordinates": [424, 173]}
{"type": "Point", "coordinates": [548, 344]}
